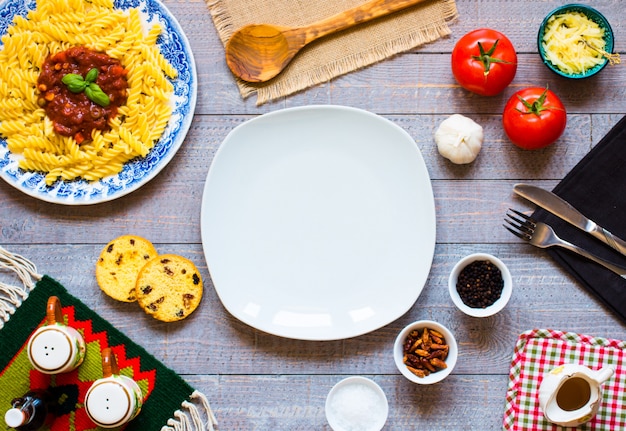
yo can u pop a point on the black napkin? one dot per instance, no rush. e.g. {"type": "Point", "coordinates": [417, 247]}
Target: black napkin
{"type": "Point", "coordinates": [596, 186]}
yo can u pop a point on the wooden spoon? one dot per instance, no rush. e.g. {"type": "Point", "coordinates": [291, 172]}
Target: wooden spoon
{"type": "Point", "coordinates": [259, 52]}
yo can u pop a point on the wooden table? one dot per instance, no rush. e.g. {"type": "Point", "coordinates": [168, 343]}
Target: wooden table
{"type": "Point", "coordinates": [257, 381]}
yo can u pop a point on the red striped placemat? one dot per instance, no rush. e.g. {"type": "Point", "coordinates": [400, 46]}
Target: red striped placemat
{"type": "Point", "coordinates": [538, 351]}
{"type": "Point", "coordinates": [170, 403]}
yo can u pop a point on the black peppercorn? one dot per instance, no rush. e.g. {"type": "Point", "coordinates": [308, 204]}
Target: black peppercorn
{"type": "Point", "coordinates": [480, 284]}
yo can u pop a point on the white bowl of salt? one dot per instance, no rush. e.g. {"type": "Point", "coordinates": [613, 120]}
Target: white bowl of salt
{"type": "Point", "coordinates": [356, 404]}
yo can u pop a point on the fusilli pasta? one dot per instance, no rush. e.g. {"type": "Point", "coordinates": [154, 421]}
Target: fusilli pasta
{"type": "Point", "coordinates": [54, 26]}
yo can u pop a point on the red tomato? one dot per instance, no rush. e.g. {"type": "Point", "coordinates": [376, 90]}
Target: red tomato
{"type": "Point", "coordinates": [534, 118]}
{"type": "Point", "coordinates": [484, 61]}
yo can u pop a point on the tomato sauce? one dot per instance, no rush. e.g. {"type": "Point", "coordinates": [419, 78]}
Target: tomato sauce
{"type": "Point", "coordinates": [74, 114]}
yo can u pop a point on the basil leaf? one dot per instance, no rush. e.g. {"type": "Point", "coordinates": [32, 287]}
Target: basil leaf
{"type": "Point", "coordinates": [77, 84]}
{"type": "Point", "coordinates": [74, 82]}
{"type": "Point", "coordinates": [96, 95]}
{"type": "Point", "coordinates": [92, 75]}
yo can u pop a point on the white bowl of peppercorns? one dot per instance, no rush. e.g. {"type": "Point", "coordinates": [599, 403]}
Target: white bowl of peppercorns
{"type": "Point", "coordinates": [480, 285]}
{"type": "Point", "coordinates": [425, 352]}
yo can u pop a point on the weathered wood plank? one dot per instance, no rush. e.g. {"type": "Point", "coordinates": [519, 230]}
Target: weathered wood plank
{"type": "Point", "coordinates": [167, 209]}
{"type": "Point", "coordinates": [297, 402]}
{"type": "Point", "coordinates": [468, 211]}
{"type": "Point", "coordinates": [422, 83]}
{"type": "Point", "coordinates": [212, 341]}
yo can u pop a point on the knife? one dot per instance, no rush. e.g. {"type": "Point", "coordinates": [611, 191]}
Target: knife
{"type": "Point", "coordinates": [559, 207]}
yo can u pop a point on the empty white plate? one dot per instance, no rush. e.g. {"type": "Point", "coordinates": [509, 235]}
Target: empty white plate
{"type": "Point", "coordinates": [318, 222]}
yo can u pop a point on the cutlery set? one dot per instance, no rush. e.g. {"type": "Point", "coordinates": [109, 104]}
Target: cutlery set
{"type": "Point", "coordinates": [542, 235]}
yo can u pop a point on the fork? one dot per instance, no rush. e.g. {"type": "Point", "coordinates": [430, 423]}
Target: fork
{"type": "Point", "coordinates": [543, 236]}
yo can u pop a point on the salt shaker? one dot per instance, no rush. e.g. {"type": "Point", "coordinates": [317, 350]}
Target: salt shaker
{"type": "Point", "coordinates": [55, 347]}
{"type": "Point", "coordinates": [114, 399]}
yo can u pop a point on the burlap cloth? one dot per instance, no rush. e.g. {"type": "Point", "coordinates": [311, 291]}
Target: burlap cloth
{"type": "Point", "coordinates": [336, 54]}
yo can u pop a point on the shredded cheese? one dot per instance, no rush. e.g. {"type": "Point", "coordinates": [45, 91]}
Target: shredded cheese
{"type": "Point", "coordinates": [573, 42]}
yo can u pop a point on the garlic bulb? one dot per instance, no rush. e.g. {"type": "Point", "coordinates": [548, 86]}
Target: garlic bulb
{"type": "Point", "coordinates": [459, 139]}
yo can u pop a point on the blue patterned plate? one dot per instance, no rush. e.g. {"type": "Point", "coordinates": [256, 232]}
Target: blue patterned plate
{"type": "Point", "coordinates": [175, 47]}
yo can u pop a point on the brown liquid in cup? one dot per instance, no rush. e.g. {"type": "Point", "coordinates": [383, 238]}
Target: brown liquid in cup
{"type": "Point", "coordinates": [573, 394]}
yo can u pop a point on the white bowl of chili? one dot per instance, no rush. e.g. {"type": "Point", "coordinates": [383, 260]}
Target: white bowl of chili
{"type": "Point", "coordinates": [416, 354]}
{"type": "Point", "coordinates": [480, 285]}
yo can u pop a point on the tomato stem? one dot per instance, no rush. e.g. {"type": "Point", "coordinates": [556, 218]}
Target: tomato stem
{"type": "Point", "coordinates": [537, 106]}
{"type": "Point", "coordinates": [486, 57]}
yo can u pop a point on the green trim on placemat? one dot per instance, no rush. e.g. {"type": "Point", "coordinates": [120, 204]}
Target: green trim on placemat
{"type": "Point", "coordinates": [170, 402]}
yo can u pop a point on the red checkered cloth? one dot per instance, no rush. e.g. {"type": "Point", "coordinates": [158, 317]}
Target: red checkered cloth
{"type": "Point", "coordinates": [538, 351]}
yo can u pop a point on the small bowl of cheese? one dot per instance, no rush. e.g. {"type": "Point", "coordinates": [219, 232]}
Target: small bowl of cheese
{"type": "Point", "coordinates": [576, 41]}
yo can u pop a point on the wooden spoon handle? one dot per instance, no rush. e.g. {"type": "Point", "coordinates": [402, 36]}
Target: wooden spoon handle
{"type": "Point", "coordinates": [360, 14]}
